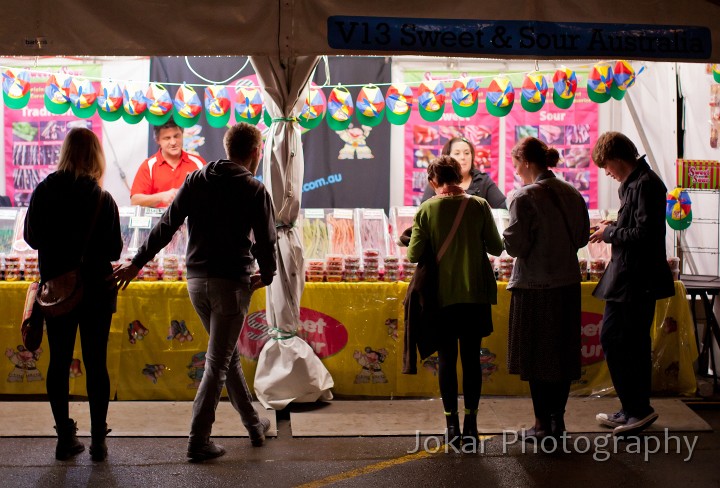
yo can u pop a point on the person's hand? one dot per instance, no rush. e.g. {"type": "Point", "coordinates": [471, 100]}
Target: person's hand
{"type": "Point", "coordinates": [256, 282]}
{"type": "Point", "coordinates": [166, 197]}
{"type": "Point", "coordinates": [599, 229]}
{"type": "Point", "coordinates": [123, 274]}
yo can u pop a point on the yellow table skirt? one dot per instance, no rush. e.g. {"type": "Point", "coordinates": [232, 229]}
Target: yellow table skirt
{"type": "Point", "coordinates": [157, 344]}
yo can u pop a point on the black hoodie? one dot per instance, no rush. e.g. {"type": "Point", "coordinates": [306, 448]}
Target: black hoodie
{"type": "Point", "coordinates": [225, 207]}
{"type": "Point", "coordinates": [57, 223]}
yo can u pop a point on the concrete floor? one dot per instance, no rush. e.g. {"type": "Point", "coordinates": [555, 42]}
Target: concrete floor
{"type": "Point", "coordinates": [373, 461]}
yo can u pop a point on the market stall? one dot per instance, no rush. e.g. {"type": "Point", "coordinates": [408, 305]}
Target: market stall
{"type": "Point", "coordinates": [296, 29]}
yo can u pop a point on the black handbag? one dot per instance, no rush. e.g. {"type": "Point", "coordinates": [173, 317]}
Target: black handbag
{"type": "Point", "coordinates": [60, 295]}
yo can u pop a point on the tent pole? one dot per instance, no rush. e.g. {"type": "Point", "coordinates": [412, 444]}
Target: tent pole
{"type": "Point", "coordinates": [641, 132]}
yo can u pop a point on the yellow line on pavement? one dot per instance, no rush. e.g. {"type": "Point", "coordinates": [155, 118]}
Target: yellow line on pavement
{"type": "Point", "coordinates": [367, 469]}
{"type": "Point", "coordinates": [372, 468]}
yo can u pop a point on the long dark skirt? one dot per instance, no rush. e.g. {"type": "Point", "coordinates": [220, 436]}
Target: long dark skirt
{"type": "Point", "coordinates": [544, 339]}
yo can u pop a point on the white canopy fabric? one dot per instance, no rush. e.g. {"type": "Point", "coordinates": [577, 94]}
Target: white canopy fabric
{"type": "Point", "coordinates": [288, 369]}
{"type": "Point", "coordinates": [290, 28]}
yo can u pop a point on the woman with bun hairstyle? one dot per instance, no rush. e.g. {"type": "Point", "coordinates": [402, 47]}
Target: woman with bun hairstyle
{"type": "Point", "coordinates": [548, 224]}
{"type": "Point", "coordinates": [466, 286]}
{"type": "Point", "coordinates": [473, 181]}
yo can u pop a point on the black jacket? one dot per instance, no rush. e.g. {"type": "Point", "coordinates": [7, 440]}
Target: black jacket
{"type": "Point", "coordinates": [225, 206]}
{"type": "Point", "coordinates": [57, 221]}
{"type": "Point", "coordinates": [638, 269]}
{"type": "Point", "coordinates": [481, 186]}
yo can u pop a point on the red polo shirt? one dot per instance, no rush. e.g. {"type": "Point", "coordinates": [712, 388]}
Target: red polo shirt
{"type": "Point", "coordinates": [156, 175]}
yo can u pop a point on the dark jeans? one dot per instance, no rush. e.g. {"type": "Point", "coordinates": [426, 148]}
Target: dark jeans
{"type": "Point", "coordinates": [625, 339]}
{"type": "Point", "coordinates": [93, 317]}
{"type": "Point", "coordinates": [222, 306]}
{"type": "Point", "coordinates": [460, 322]}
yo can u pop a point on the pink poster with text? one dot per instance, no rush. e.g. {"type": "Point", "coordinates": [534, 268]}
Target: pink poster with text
{"type": "Point", "coordinates": [424, 140]}
{"type": "Point", "coordinates": [572, 132]}
{"type": "Point", "coordinates": [34, 136]}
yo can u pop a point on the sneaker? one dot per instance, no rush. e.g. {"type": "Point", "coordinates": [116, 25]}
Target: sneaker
{"type": "Point", "coordinates": [612, 419]}
{"type": "Point", "coordinates": [635, 425]}
{"type": "Point", "coordinates": [257, 433]}
{"type": "Point", "coordinates": [203, 452]}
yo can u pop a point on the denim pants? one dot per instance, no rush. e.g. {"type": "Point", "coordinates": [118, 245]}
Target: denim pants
{"type": "Point", "coordinates": [222, 305]}
{"type": "Point", "coordinates": [625, 338]}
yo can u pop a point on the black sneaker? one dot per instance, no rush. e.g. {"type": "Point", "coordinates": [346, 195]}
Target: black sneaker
{"type": "Point", "coordinates": [203, 452]}
{"type": "Point", "coordinates": [257, 434]}
{"type": "Point", "coordinates": [612, 419]}
{"type": "Point", "coordinates": [635, 425]}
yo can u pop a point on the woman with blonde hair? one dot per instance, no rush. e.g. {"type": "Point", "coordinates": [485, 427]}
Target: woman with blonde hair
{"type": "Point", "coordinates": [74, 224]}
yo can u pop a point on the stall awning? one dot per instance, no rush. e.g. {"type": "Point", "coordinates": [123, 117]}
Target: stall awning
{"type": "Point", "coordinates": [527, 29]}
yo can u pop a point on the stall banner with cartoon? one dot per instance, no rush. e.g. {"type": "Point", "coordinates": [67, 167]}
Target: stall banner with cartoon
{"type": "Point", "coordinates": [34, 135]}
{"type": "Point", "coordinates": [572, 132]}
{"type": "Point", "coordinates": [355, 328]}
{"type": "Point", "coordinates": [424, 140]}
{"type": "Point", "coordinates": [163, 345]}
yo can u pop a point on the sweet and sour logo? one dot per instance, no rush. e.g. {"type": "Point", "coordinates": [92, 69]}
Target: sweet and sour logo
{"type": "Point", "coordinates": [323, 333]}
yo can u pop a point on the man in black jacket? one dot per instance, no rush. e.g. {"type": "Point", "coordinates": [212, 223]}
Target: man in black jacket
{"type": "Point", "coordinates": [226, 209]}
{"type": "Point", "coordinates": [637, 276]}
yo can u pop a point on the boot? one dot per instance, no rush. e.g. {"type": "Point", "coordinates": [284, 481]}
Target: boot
{"type": "Point", "coordinates": [470, 433]}
{"type": "Point", "coordinates": [68, 444]}
{"type": "Point", "coordinates": [557, 424]}
{"type": "Point", "coordinates": [203, 449]}
{"type": "Point", "coordinates": [98, 448]}
{"type": "Point", "coordinates": [453, 428]}
{"type": "Point", "coordinates": [539, 431]}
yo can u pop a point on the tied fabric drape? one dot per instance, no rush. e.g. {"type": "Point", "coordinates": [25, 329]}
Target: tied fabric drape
{"type": "Point", "coordinates": [288, 368]}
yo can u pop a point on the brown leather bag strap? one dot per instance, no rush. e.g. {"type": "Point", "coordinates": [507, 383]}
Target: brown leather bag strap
{"type": "Point", "coordinates": [456, 224]}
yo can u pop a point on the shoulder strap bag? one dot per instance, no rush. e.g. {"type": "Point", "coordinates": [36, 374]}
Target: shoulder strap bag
{"type": "Point", "coordinates": [59, 296]}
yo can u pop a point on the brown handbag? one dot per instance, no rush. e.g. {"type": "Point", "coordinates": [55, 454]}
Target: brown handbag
{"type": "Point", "coordinates": [31, 327]}
{"type": "Point", "coordinates": [60, 295]}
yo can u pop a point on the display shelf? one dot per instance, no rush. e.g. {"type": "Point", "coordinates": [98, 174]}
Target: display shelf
{"type": "Point", "coordinates": [697, 246]}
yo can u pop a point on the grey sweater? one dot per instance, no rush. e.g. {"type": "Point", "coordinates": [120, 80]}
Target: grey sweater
{"type": "Point", "coordinates": [538, 237]}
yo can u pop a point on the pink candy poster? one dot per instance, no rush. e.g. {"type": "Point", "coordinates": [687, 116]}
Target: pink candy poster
{"type": "Point", "coordinates": [572, 132]}
{"type": "Point", "coordinates": [424, 141]}
{"type": "Point", "coordinates": [34, 135]}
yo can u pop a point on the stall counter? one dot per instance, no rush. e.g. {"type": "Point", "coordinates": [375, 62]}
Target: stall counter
{"type": "Point", "coordinates": [157, 344]}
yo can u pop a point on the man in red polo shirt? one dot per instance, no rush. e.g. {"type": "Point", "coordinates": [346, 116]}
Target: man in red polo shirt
{"type": "Point", "coordinates": [158, 177]}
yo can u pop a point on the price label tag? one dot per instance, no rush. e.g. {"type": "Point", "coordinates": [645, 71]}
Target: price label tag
{"type": "Point", "coordinates": [373, 214]}
{"type": "Point", "coordinates": [8, 214]}
{"type": "Point", "coordinates": [594, 214]}
{"type": "Point", "coordinates": [140, 222]}
{"type": "Point", "coordinates": [407, 211]}
{"type": "Point", "coordinates": [126, 211]}
{"type": "Point", "coordinates": [154, 212]}
{"type": "Point", "coordinates": [314, 213]}
{"type": "Point", "coordinates": [343, 213]}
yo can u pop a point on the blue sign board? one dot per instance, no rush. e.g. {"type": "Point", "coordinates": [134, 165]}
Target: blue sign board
{"type": "Point", "coordinates": [519, 38]}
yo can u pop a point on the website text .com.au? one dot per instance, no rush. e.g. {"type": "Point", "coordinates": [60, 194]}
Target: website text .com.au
{"type": "Point", "coordinates": [320, 182]}
{"type": "Point", "coordinates": [601, 446]}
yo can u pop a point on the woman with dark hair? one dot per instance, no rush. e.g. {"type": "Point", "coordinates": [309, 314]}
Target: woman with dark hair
{"type": "Point", "coordinates": [472, 181]}
{"type": "Point", "coordinates": [74, 224]}
{"type": "Point", "coordinates": [548, 224]}
{"type": "Point", "coordinates": [460, 229]}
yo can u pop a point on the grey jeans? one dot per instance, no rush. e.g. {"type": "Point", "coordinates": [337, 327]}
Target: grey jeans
{"type": "Point", "coordinates": [222, 306]}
